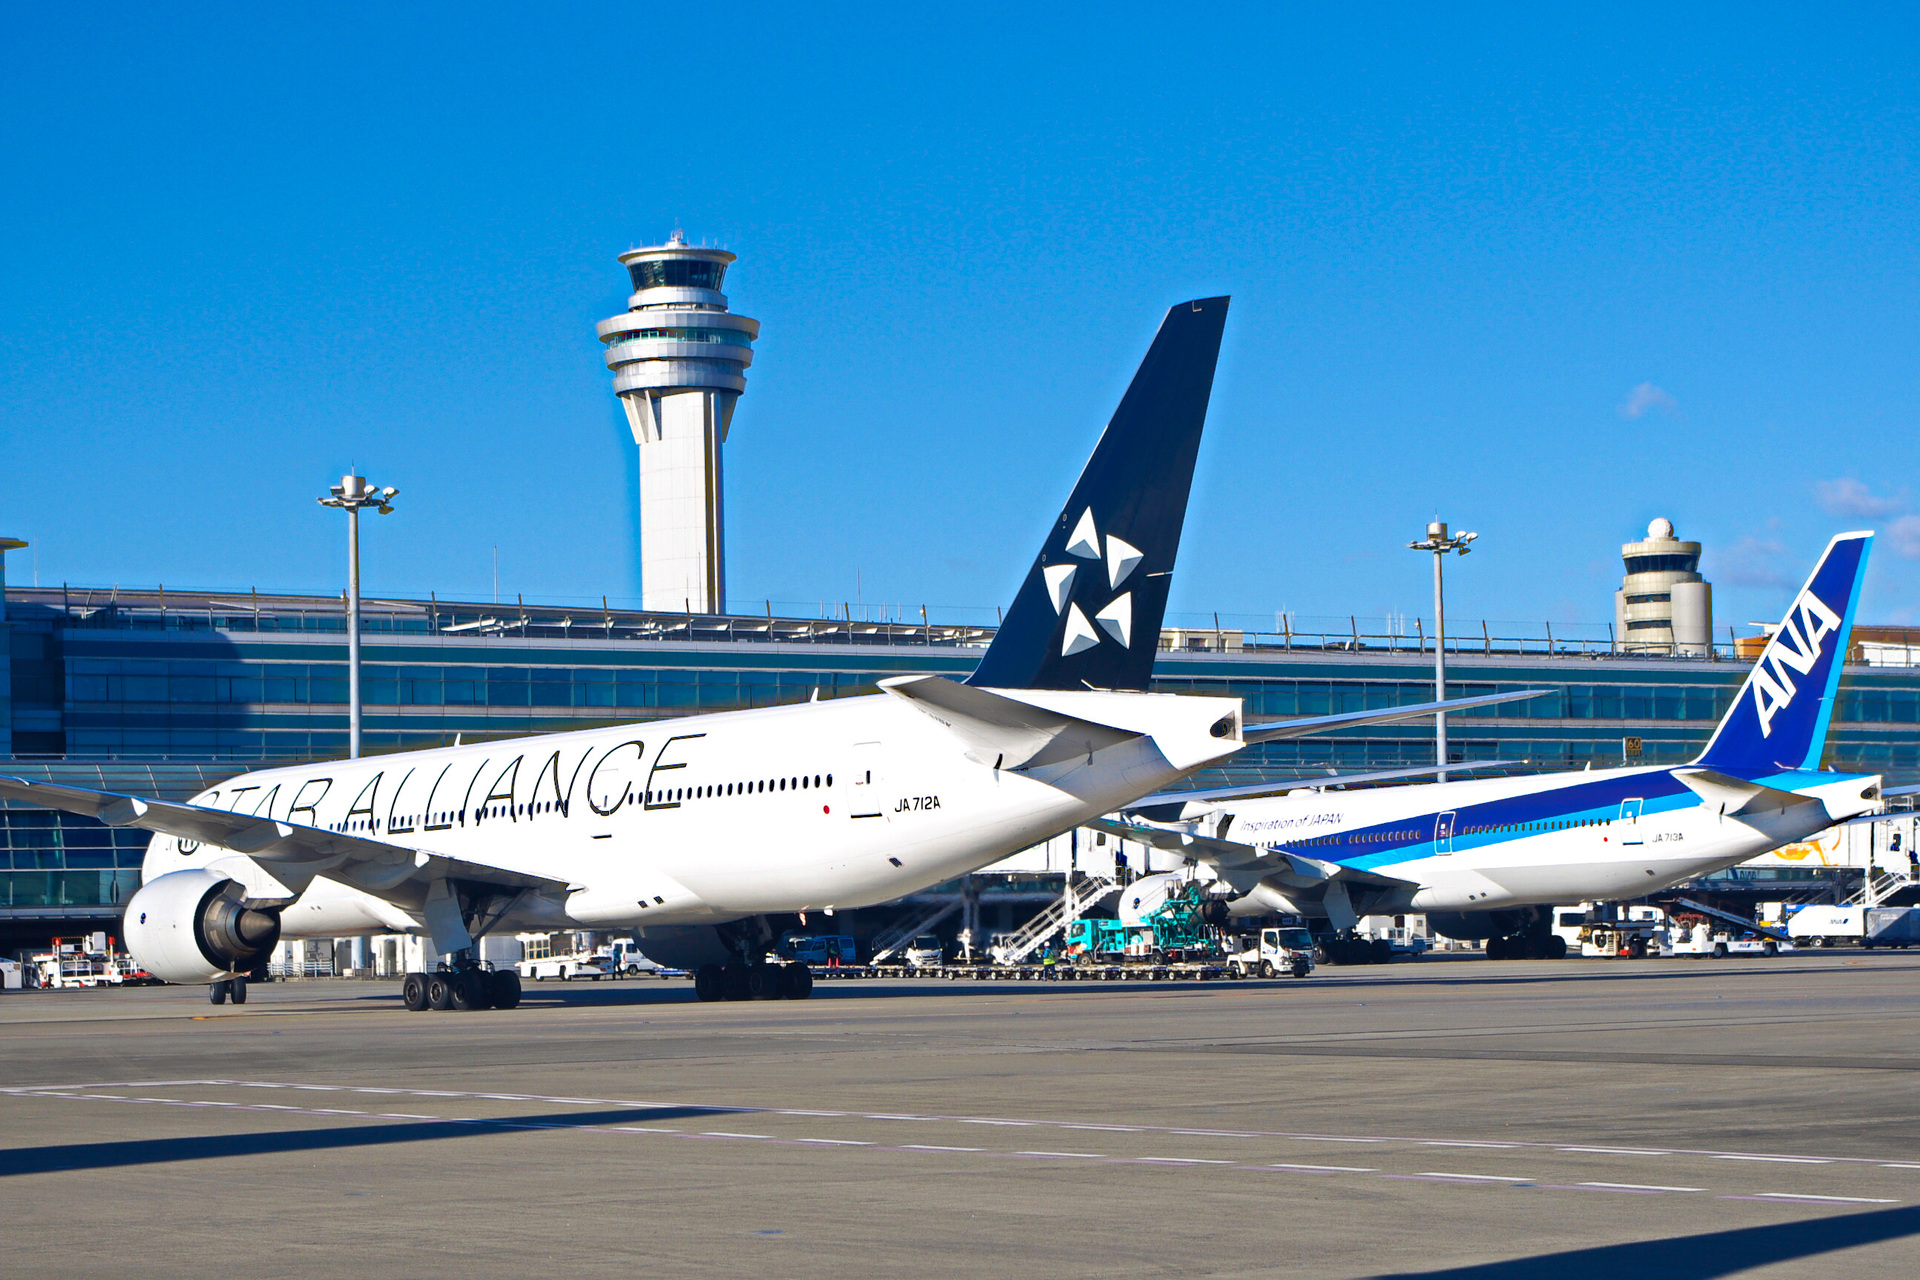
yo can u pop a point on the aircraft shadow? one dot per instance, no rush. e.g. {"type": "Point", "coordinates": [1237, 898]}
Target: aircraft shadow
{"type": "Point", "coordinates": [120, 1155]}
{"type": "Point", "coordinates": [1697, 1257]}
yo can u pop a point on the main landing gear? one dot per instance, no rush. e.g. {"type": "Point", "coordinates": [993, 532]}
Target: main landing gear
{"type": "Point", "coordinates": [464, 986]}
{"type": "Point", "coordinates": [753, 981]}
{"type": "Point", "coordinates": [1346, 949]}
{"type": "Point", "coordinates": [234, 989]}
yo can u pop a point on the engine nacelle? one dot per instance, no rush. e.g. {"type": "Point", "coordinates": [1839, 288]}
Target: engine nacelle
{"type": "Point", "coordinates": [194, 926]}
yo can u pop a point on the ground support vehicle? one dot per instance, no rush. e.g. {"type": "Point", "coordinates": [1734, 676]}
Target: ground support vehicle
{"type": "Point", "coordinates": [567, 968]}
{"type": "Point", "coordinates": [1698, 939]}
{"type": "Point", "coordinates": [625, 960]}
{"type": "Point", "coordinates": [1630, 939]}
{"type": "Point", "coordinates": [818, 950]}
{"type": "Point", "coordinates": [1272, 952]}
{"type": "Point", "coordinates": [1870, 927]}
{"type": "Point", "coordinates": [925, 952]}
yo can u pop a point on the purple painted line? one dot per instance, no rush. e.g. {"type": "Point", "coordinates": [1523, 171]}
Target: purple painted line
{"type": "Point", "coordinates": [1625, 1191]}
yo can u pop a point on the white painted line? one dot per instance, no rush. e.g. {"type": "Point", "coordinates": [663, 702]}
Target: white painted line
{"type": "Point", "coordinates": [1066, 1155]}
{"type": "Point", "coordinates": [718, 1134]}
{"type": "Point", "coordinates": [634, 1128]}
{"type": "Point", "coordinates": [1172, 1160]}
{"type": "Point", "coordinates": [1801, 1195]}
{"type": "Point", "coordinates": [835, 1142]}
{"type": "Point", "coordinates": [1317, 1168]}
{"type": "Point", "coordinates": [1116, 1128]}
{"type": "Point", "coordinates": [875, 1115]}
{"type": "Point", "coordinates": [1212, 1133]}
{"type": "Point", "coordinates": [1477, 1177]}
{"type": "Point", "coordinates": [1900, 1166]}
{"type": "Point", "coordinates": [917, 1146]}
{"type": "Point", "coordinates": [1023, 1124]}
{"type": "Point", "coordinates": [1491, 1146]}
{"type": "Point", "coordinates": [1311, 1138]}
{"type": "Point", "coordinates": [1777, 1159]}
{"type": "Point", "coordinates": [1638, 1186]}
{"type": "Point", "coordinates": [795, 1113]}
{"type": "Point", "coordinates": [1615, 1151]}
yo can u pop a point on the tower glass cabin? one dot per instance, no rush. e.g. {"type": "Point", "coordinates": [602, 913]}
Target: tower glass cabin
{"type": "Point", "coordinates": [679, 360]}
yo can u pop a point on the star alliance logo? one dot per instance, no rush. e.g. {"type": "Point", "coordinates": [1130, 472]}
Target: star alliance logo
{"type": "Point", "coordinates": [1122, 558]}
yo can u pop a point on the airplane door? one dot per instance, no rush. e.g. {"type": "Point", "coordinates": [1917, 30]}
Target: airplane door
{"type": "Point", "coordinates": [865, 779]}
{"type": "Point", "coordinates": [1443, 827]}
{"type": "Point", "coordinates": [1630, 815]}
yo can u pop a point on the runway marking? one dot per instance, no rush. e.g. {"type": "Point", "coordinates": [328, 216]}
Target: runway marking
{"type": "Point", "coordinates": [732, 1135]}
{"type": "Point", "coordinates": [1165, 1160]}
{"type": "Point", "coordinates": [916, 1146]}
{"type": "Point", "coordinates": [1315, 1168]}
{"type": "Point", "coordinates": [835, 1142]}
{"type": "Point", "coordinates": [1476, 1177]}
{"type": "Point", "coordinates": [1637, 1186]}
{"type": "Point", "coordinates": [1066, 1155]}
{"type": "Point", "coordinates": [90, 1092]}
{"type": "Point", "coordinates": [1802, 1195]}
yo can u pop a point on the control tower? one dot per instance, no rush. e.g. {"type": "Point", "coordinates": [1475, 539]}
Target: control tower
{"type": "Point", "coordinates": [679, 361]}
{"type": "Point", "coordinates": [1663, 605]}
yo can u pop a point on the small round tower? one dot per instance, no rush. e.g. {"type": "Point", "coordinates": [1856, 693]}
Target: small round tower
{"type": "Point", "coordinates": [1663, 605]}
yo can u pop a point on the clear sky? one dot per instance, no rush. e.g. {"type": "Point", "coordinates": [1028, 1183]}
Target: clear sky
{"type": "Point", "coordinates": [1547, 272]}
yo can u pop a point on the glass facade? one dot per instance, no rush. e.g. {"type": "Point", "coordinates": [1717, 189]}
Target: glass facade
{"type": "Point", "coordinates": [167, 695]}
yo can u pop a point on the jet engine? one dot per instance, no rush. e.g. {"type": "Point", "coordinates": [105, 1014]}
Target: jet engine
{"type": "Point", "coordinates": [195, 926]}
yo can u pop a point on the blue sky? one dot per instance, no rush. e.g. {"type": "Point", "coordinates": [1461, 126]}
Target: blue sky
{"type": "Point", "coordinates": [1549, 275]}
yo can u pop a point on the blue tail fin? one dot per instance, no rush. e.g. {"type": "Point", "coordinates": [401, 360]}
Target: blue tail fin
{"type": "Point", "coordinates": [1089, 613]}
{"type": "Point", "coordinates": [1779, 720]}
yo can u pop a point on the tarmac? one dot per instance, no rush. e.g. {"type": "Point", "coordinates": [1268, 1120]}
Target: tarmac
{"type": "Point", "coordinates": [1451, 1117]}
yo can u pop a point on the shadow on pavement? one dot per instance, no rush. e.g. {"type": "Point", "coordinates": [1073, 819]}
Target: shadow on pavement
{"type": "Point", "coordinates": [1701, 1257]}
{"type": "Point", "coordinates": [121, 1155]}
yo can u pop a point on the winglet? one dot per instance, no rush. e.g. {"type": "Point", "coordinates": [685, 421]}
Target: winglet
{"type": "Point", "coordinates": [1089, 612]}
{"type": "Point", "coordinates": [1779, 718]}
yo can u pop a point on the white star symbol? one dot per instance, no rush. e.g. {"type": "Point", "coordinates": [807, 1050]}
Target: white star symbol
{"type": "Point", "coordinates": [1116, 619]}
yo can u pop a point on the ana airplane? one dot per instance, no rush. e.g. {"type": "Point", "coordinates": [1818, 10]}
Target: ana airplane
{"type": "Point", "coordinates": [1488, 858]}
{"type": "Point", "coordinates": [694, 830]}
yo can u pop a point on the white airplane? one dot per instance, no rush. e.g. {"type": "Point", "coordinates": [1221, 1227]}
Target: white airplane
{"type": "Point", "coordinates": [694, 830]}
{"type": "Point", "coordinates": [1487, 858]}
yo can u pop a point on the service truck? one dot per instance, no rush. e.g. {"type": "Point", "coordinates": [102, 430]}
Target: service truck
{"type": "Point", "coordinates": [1870, 927]}
{"type": "Point", "coordinates": [566, 968]}
{"type": "Point", "coordinates": [1271, 952]}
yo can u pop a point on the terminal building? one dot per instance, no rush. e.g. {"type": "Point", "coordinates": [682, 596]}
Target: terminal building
{"type": "Point", "coordinates": [167, 693]}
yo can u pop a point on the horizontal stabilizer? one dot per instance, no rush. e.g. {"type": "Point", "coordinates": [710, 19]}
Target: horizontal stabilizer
{"type": "Point", "coordinates": [292, 854]}
{"type": "Point", "coordinates": [1003, 732]}
{"type": "Point", "coordinates": [1311, 782]}
{"type": "Point", "coordinates": [1300, 728]}
{"type": "Point", "coordinates": [1735, 796]}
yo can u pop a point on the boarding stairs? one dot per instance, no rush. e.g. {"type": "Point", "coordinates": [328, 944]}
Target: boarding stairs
{"type": "Point", "coordinates": [1876, 888]}
{"type": "Point", "coordinates": [1070, 905]}
{"type": "Point", "coordinates": [889, 942]}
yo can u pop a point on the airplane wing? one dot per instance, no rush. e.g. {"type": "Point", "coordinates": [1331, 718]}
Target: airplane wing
{"type": "Point", "coordinates": [1310, 781]}
{"type": "Point", "coordinates": [1275, 730]}
{"type": "Point", "coordinates": [1243, 865]}
{"type": "Point", "coordinates": [289, 852]}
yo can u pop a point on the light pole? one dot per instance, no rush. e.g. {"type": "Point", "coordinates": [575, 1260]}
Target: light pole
{"type": "Point", "coordinates": [351, 494]}
{"type": "Point", "coordinates": [1439, 543]}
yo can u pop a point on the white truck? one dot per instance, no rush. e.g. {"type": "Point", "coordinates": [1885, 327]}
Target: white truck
{"type": "Point", "coordinates": [925, 952]}
{"type": "Point", "coordinates": [1832, 926]}
{"type": "Point", "coordinates": [1271, 952]}
{"type": "Point", "coordinates": [567, 968]}
{"type": "Point", "coordinates": [625, 959]}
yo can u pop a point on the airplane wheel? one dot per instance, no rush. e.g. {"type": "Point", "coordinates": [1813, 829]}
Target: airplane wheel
{"type": "Point", "coordinates": [796, 982]}
{"type": "Point", "coordinates": [238, 990]}
{"type": "Point", "coordinates": [707, 983]}
{"type": "Point", "coordinates": [503, 988]}
{"type": "Point", "coordinates": [733, 982]}
{"type": "Point", "coordinates": [1381, 952]}
{"type": "Point", "coordinates": [413, 991]}
{"type": "Point", "coordinates": [468, 990]}
{"type": "Point", "coordinates": [1557, 949]}
{"type": "Point", "coordinates": [439, 992]}
{"type": "Point", "coordinates": [763, 982]}
{"type": "Point", "coordinates": [1496, 948]}
{"type": "Point", "coordinates": [217, 993]}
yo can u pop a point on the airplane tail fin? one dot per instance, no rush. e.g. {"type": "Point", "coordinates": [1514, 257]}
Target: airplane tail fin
{"type": "Point", "coordinates": [1779, 719]}
{"type": "Point", "coordinates": [1089, 613]}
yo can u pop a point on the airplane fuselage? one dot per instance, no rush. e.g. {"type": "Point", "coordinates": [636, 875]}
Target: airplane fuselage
{"type": "Point", "coordinates": [704, 819]}
{"type": "Point", "coordinates": [1491, 844]}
